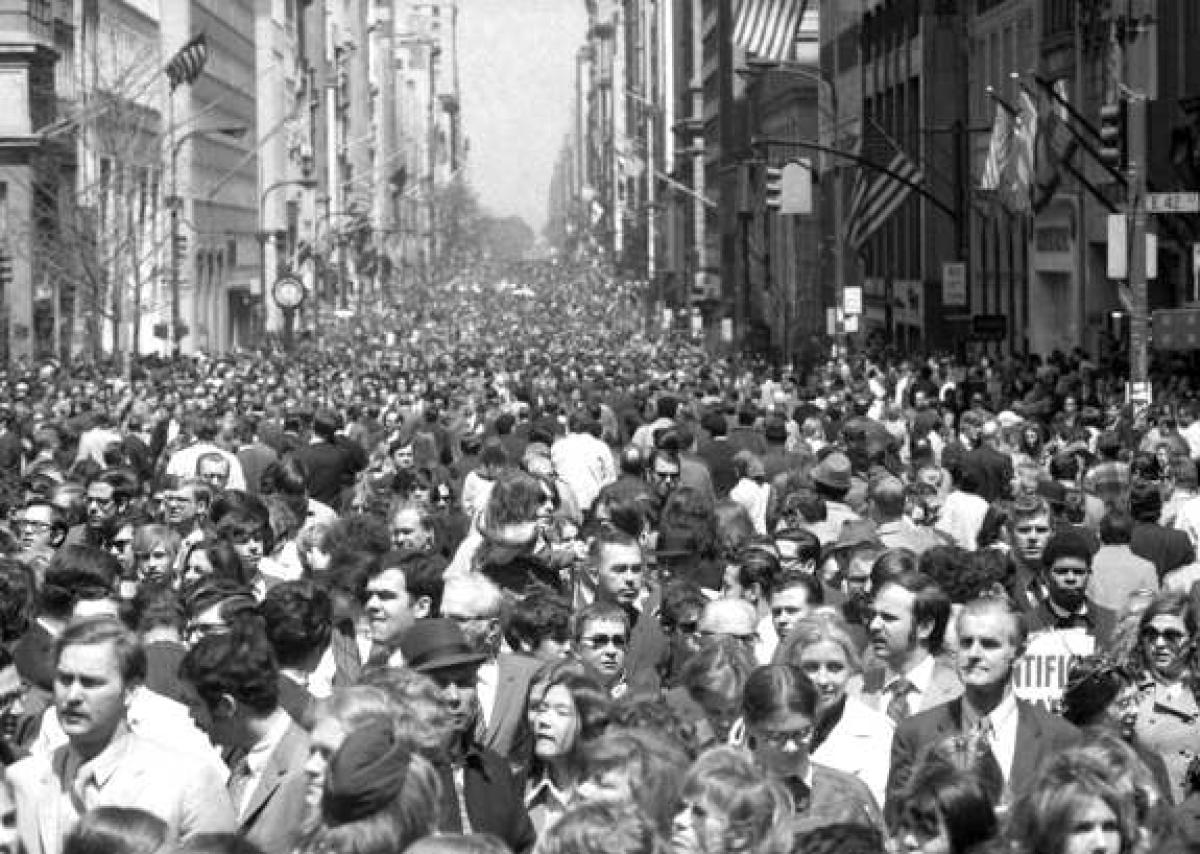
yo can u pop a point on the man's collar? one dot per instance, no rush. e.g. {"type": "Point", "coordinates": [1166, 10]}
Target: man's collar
{"type": "Point", "coordinates": [103, 765]}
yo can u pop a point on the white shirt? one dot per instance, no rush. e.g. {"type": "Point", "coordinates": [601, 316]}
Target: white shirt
{"type": "Point", "coordinates": [919, 677]}
{"type": "Point", "coordinates": [1003, 740]}
{"type": "Point", "coordinates": [258, 757]}
{"type": "Point", "coordinates": [585, 463]}
{"type": "Point", "coordinates": [486, 681]}
{"type": "Point", "coordinates": [961, 517]}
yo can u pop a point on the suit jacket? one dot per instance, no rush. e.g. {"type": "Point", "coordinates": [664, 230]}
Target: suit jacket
{"type": "Point", "coordinates": [187, 794]}
{"type": "Point", "coordinates": [274, 815]}
{"type": "Point", "coordinates": [507, 730]}
{"type": "Point", "coordinates": [296, 700]}
{"type": "Point", "coordinates": [495, 803]}
{"type": "Point", "coordinates": [868, 687]}
{"type": "Point", "coordinates": [1039, 734]}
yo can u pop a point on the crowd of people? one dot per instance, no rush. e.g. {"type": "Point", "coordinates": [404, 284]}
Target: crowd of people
{"type": "Point", "coordinates": [517, 578]}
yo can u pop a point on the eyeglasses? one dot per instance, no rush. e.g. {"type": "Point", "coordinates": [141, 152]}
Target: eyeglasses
{"type": "Point", "coordinates": [601, 641]}
{"type": "Point", "coordinates": [779, 738]}
{"type": "Point", "coordinates": [1171, 636]}
{"type": "Point", "coordinates": [687, 627]}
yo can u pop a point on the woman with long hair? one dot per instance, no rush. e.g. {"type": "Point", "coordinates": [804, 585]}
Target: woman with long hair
{"type": "Point", "coordinates": [945, 809]}
{"type": "Point", "coordinates": [567, 708]}
{"type": "Point", "coordinates": [1169, 716]}
{"type": "Point", "coordinates": [848, 735]}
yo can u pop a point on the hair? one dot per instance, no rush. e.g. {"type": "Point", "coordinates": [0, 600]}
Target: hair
{"type": "Point", "coordinates": [603, 828]}
{"type": "Point", "coordinates": [240, 663]}
{"type": "Point", "coordinates": [758, 808]}
{"type": "Point", "coordinates": [655, 768]}
{"type": "Point", "coordinates": [423, 576]}
{"type": "Point", "coordinates": [146, 537]}
{"type": "Point", "coordinates": [17, 593]}
{"type": "Point", "coordinates": [939, 791]}
{"type": "Point", "coordinates": [1092, 684]}
{"type": "Point", "coordinates": [222, 557]}
{"type": "Point", "coordinates": [539, 615]}
{"type": "Point", "coordinates": [459, 843]}
{"type": "Point", "coordinates": [1169, 604]}
{"type": "Point", "coordinates": [299, 621]}
{"type": "Point", "coordinates": [253, 521]}
{"type": "Point", "coordinates": [931, 606]}
{"type": "Point", "coordinates": [484, 595]}
{"type": "Point", "coordinates": [92, 631]}
{"type": "Point", "coordinates": [734, 527]}
{"type": "Point", "coordinates": [156, 605]}
{"type": "Point", "coordinates": [1004, 606]}
{"type": "Point", "coordinates": [757, 566]}
{"type": "Point", "coordinates": [117, 830]}
{"type": "Point", "coordinates": [592, 705]}
{"type": "Point", "coordinates": [1041, 819]}
{"type": "Point", "coordinates": [596, 612]}
{"type": "Point", "coordinates": [822, 627]}
{"type": "Point", "coordinates": [716, 674]}
{"type": "Point", "coordinates": [415, 706]}
{"type": "Point", "coordinates": [776, 690]}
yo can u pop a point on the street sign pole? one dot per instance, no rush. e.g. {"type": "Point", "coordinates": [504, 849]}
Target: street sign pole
{"type": "Point", "coordinates": [1139, 345]}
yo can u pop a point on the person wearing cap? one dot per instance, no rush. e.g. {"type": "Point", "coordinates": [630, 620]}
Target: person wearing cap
{"type": "Point", "coordinates": [479, 794]}
{"type": "Point", "coordinates": [1067, 570]}
{"type": "Point", "coordinates": [832, 481]}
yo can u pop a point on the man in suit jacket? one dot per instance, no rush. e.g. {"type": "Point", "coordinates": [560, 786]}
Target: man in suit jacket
{"type": "Point", "coordinates": [99, 665]}
{"type": "Point", "coordinates": [907, 628]}
{"type": "Point", "coordinates": [1017, 735]}
{"type": "Point", "coordinates": [1067, 569]}
{"type": "Point", "coordinates": [503, 679]}
{"type": "Point", "coordinates": [235, 677]}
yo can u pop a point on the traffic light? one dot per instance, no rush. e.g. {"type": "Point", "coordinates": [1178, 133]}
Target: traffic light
{"type": "Point", "coordinates": [774, 179]}
{"type": "Point", "coordinates": [5, 269]}
{"type": "Point", "coordinates": [179, 245]}
{"type": "Point", "coordinates": [1114, 129]}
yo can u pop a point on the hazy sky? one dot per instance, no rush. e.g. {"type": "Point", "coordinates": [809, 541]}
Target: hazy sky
{"type": "Point", "coordinates": [518, 76]}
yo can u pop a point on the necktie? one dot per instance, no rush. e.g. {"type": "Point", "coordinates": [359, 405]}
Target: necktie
{"type": "Point", "coordinates": [897, 707]}
{"type": "Point", "coordinates": [990, 772]}
{"type": "Point", "coordinates": [239, 779]}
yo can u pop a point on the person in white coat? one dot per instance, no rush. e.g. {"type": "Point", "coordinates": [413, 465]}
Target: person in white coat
{"type": "Point", "coordinates": [848, 735]}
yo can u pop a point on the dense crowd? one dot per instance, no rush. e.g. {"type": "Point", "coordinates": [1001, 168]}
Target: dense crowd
{"type": "Point", "coordinates": [509, 576]}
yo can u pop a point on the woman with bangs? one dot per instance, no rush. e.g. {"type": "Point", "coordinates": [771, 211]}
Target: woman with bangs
{"type": "Point", "coordinates": [567, 708]}
{"type": "Point", "coordinates": [155, 549]}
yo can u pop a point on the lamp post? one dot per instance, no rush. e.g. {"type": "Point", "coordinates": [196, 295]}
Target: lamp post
{"type": "Point", "coordinates": [264, 236]}
{"type": "Point", "coordinates": [174, 203]}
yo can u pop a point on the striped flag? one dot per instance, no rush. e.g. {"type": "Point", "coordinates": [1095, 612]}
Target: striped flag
{"type": "Point", "coordinates": [1024, 145]}
{"type": "Point", "coordinates": [767, 28]}
{"type": "Point", "coordinates": [185, 66]}
{"type": "Point", "coordinates": [999, 150]}
{"type": "Point", "coordinates": [878, 194]}
{"type": "Point", "coordinates": [1056, 146]}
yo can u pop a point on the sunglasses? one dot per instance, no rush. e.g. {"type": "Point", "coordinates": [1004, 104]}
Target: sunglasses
{"type": "Point", "coordinates": [1171, 636]}
{"type": "Point", "coordinates": [601, 641]}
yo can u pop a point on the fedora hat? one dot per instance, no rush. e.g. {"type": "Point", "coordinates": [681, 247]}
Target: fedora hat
{"type": "Point", "coordinates": [833, 471]}
{"type": "Point", "coordinates": [437, 644]}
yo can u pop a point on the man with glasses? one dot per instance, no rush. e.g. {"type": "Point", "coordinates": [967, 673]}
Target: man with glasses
{"type": "Point", "coordinates": [601, 640]}
{"type": "Point", "coordinates": [664, 472]}
{"type": "Point", "coordinates": [622, 579]}
{"type": "Point", "coordinates": [40, 529]}
{"type": "Point", "coordinates": [106, 502]}
{"type": "Point", "coordinates": [185, 504]}
{"type": "Point", "coordinates": [1065, 604]}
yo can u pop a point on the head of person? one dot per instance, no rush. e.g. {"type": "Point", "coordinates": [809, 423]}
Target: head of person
{"type": "Point", "coordinates": [683, 602]}
{"type": "Point", "coordinates": [475, 603]}
{"type": "Point", "coordinates": [186, 502]}
{"type": "Point", "coordinates": [380, 794]}
{"type": "Point", "coordinates": [107, 499]}
{"type": "Point", "coordinates": [437, 648]}
{"type": "Point", "coordinates": [599, 828]}
{"type": "Point", "coordinates": [1101, 693]}
{"type": "Point", "coordinates": [799, 550]}
{"type": "Point", "coordinates": [117, 830]}
{"type": "Point", "coordinates": [539, 625]}
{"type": "Point", "coordinates": [155, 548]}
{"type": "Point", "coordinates": [1166, 638]}
{"type": "Point", "coordinates": [664, 471]}
{"type": "Point", "coordinates": [945, 809]}
{"type": "Point", "coordinates": [213, 606]}
{"type": "Point", "coordinates": [210, 558]}
{"type": "Point", "coordinates": [991, 635]}
{"type": "Point", "coordinates": [248, 529]}
{"type": "Point", "coordinates": [729, 806]}
{"type": "Point", "coordinates": [567, 708]}
{"type": "Point", "coordinates": [412, 526]}
{"type": "Point", "coordinates": [779, 710]}
{"type": "Point", "coordinates": [1031, 525]}
{"type": "Point", "coordinates": [406, 587]}
{"type": "Point", "coordinates": [98, 663]}
{"type": "Point", "coordinates": [635, 766]}
{"type": "Point", "coordinates": [795, 597]}
{"type": "Point", "coordinates": [235, 676]}
{"type": "Point", "coordinates": [888, 499]}
{"type": "Point", "coordinates": [753, 575]}
{"type": "Point", "coordinates": [908, 619]}
{"type": "Point", "coordinates": [334, 716]}
{"type": "Point", "coordinates": [213, 468]}
{"type": "Point", "coordinates": [79, 579]}
{"type": "Point", "coordinates": [620, 568]}
{"type": "Point", "coordinates": [714, 679]}
{"type": "Point", "coordinates": [298, 617]}
{"type": "Point", "coordinates": [1067, 568]}
{"type": "Point", "coordinates": [1074, 806]}
{"type": "Point", "coordinates": [39, 525]}
{"type": "Point", "coordinates": [600, 639]}
{"type": "Point", "coordinates": [736, 619]}
{"type": "Point", "coordinates": [821, 647]}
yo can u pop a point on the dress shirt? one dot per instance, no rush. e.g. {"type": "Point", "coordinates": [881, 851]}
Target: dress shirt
{"type": "Point", "coordinates": [919, 678]}
{"type": "Point", "coordinates": [259, 756]}
{"type": "Point", "coordinates": [486, 682]}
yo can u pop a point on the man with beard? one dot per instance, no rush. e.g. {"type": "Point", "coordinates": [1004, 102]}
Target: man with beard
{"type": "Point", "coordinates": [1067, 562]}
{"type": "Point", "coordinates": [502, 680]}
{"type": "Point", "coordinates": [479, 794]}
{"type": "Point", "coordinates": [1013, 736]}
{"type": "Point", "coordinates": [907, 626]}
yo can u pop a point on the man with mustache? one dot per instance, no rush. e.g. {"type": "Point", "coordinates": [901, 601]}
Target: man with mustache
{"type": "Point", "coordinates": [907, 627]}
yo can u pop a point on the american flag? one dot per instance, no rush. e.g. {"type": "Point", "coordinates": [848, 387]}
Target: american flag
{"type": "Point", "coordinates": [767, 28]}
{"type": "Point", "coordinates": [877, 194]}
{"type": "Point", "coordinates": [188, 62]}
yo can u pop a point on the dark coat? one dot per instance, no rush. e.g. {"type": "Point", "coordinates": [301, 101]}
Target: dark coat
{"type": "Point", "coordinates": [1099, 622]}
{"type": "Point", "coordinates": [494, 801]}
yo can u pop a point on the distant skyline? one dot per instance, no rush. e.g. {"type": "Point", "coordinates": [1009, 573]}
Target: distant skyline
{"type": "Point", "coordinates": [517, 64]}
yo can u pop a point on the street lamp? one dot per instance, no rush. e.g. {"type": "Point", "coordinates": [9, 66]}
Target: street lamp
{"type": "Point", "coordinates": [263, 237]}
{"type": "Point", "coordinates": [174, 202]}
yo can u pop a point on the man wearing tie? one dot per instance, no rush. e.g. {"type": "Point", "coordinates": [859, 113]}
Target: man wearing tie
{"type": "Point", "coordinates": [98, 664]}
{"type": "Point", "coordinates": [907, 628]}
{"type": "Point", "coordinates": [991, 640]}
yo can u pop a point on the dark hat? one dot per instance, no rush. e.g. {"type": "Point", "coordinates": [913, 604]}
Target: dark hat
{"type": "Point", "coordinates": [856, 533]}
{"type": "Point", "coordinates": [437, 644]}
{"type": "Point", "coordinates": [833, 471]}
{"type": "Point", "coordinates": [365, 774]}
{"type": "Point", "coordinates": [776, 429]}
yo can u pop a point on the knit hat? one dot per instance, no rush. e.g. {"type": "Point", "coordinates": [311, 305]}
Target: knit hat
{"type": "Point", "coordinates": [365, 774]}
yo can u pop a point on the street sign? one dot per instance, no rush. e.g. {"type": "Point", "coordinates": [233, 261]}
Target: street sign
{"type": "Point", "coordinates": [852, 302]}
{"type": "Point", "coordinates": [1170, 203]}
{"type": "Point", "coordinates": [954, 284]}
{"type": "Point", "coordinates": [989, 327]}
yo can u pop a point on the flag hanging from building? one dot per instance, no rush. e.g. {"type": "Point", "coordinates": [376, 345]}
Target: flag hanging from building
{"type": "Point", "coordinates": [1056, 146]}
{"type": "Point", "coordinates": [185, 66]}
{"type": "Point", "coordinates": [877, 194]}
{"type": "Point", "coordinates": [999, 150]}
{"type": "Point", "coordinates": [767, 28]}
{"type": "Point", "coordinates": [1019, 181]}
